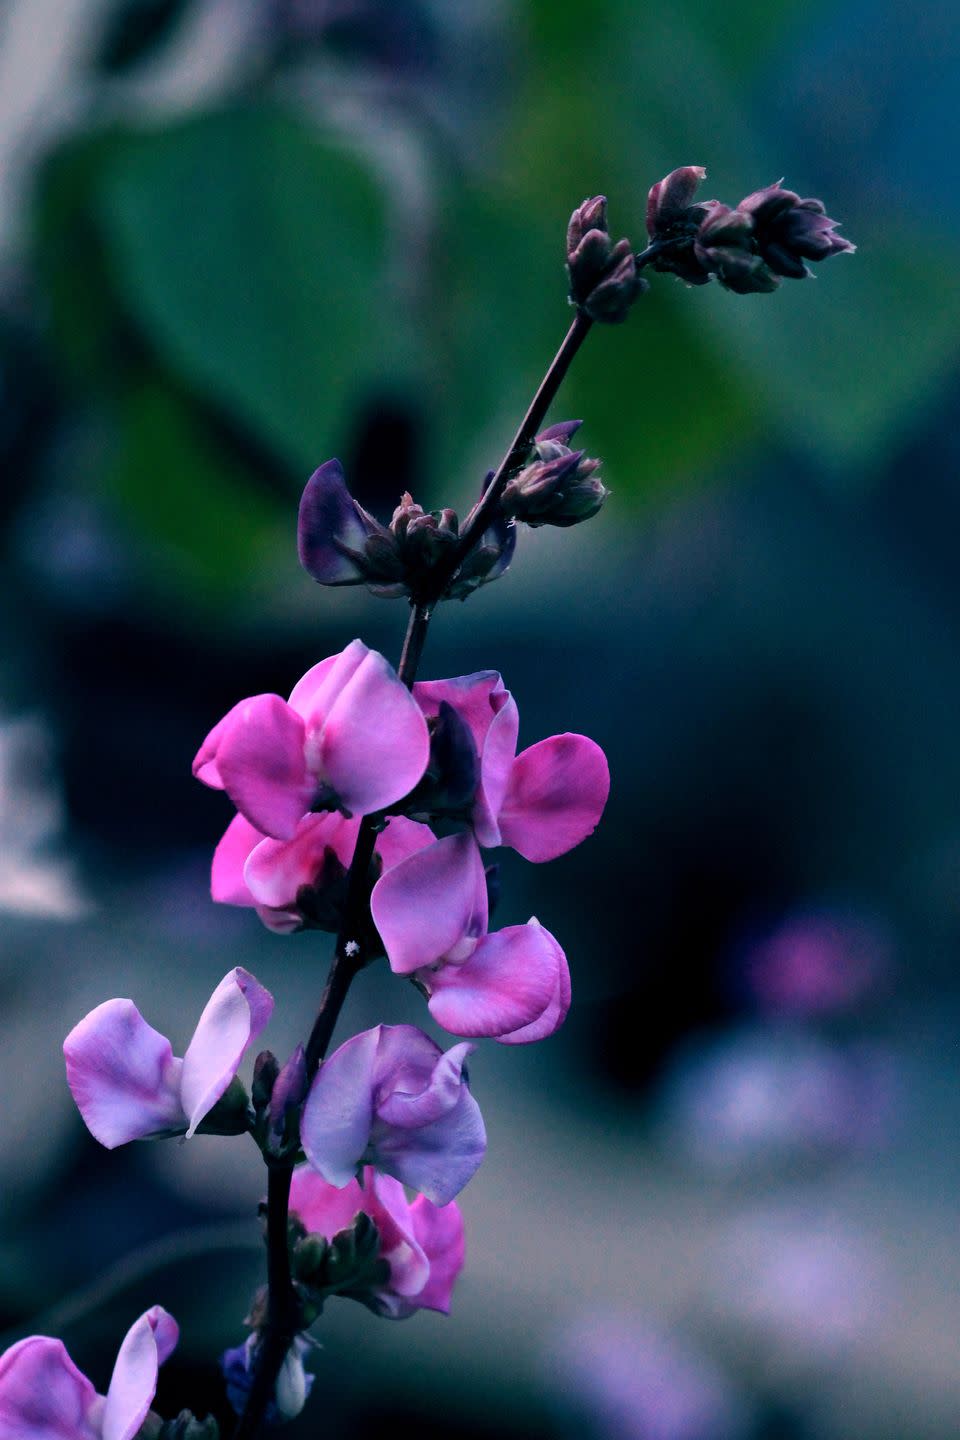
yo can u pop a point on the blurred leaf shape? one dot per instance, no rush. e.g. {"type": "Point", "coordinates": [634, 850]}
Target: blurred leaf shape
{"type": "Point", "coordinates": [251, 255]}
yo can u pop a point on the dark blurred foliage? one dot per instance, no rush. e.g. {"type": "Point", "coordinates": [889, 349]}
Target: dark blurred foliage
{"type": "Point", "coordinates": [237, 238]}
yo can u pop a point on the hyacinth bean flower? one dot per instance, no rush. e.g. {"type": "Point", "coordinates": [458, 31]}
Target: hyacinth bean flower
{"type": "Point", "coordinates": [350, 737]}
{"type": "Point", "coordinates": [298, 882]}
{"type": "Point", "coordinates": [541, 802]}
{"type": "Point", "coordinates": [392, 1099]}
{"type": "Point", "coordinates": [431, 912]}
{"type": "Point", "coordinates": [422, 1243]}
{"type": "Point", "coordinates": [128, 1084]}
{"type": "Point", "coordinates": [43, 1396]}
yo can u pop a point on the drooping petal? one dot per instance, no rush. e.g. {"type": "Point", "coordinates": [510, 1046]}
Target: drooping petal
{"type": "Point", "coordinates": [374, 744]}
{"type": "Point", "coordinates": [496, 761]}
{"type": "Point", "coordinates": [149, 1341]}
{"type": "Point", "coordinates": [276, 869]}
{"type": "Point", "coordinates": [260, 762]}
{"type": "Point", "coordinates": [438, 1159]}
{"type": "Point", "coordinates": [428, 903]}
{"type": "Point", "coordinates": [330, 522]}
{"type": "Point", "coordinates": [227, 885]}
{"type": "Point", "coordinates": [43, 1395]}
{"type": "Point", "coordinates": [233, 1017]}
{"type": "Point", "coordinates": [412, 1109]}
{"type": "Point", "coordinates": [409, 1265]}
{"type": "Point", "coordinates": [506, 983]}
{"type": "Point", "coordinates": [336, 1120]}
{"type": "Point", "coordinates": [440, 1232]}
{"type": "Point", "coordinates": [123, 1075]}
{"type": "Point", "coordinates": [555, 796]}
{"type": "Point", "coordinates": [556, 1011]}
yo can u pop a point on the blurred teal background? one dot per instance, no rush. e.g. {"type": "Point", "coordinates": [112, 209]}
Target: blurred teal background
{"type": "Point", "coordinates": [237, 238]}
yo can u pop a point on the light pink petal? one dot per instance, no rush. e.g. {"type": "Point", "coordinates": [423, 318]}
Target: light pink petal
{"type": "Point", "coordinates": [555, 1012]}
{"type": "Point", "coordinates": [507, 982]}
{"type": "Point", "coordinates": [149, 1341]}
{"type": "Point", "coordinates": [555, 797]}
{"type": "Point", "coordinates": [496, 762]}
{"type": "Point", "coordinates": [476, 699]}
{"type": "Point", "coordinates": [233, 1017]}
{"type": "Point", "coordinates": [227, 884]}
{"type": "Point", "coordinates": [260, 759]}
{"type": "Point", "coordinates": [439, 1229]}
{"type": "Point", "coordinates": [335, 1126]}
{"type": "Point", "coordinates": [428, 903]}
{"type": "Point", "coordinates": [123, 1075]}
{"type": "Point", "coordinates": [314, 694]}
{"type": "Point", "coordinates": [374, 746]}
{"type": "Point", "coordinates": [324, 1208]}
{"type": "Point", "coordinates": [437, 1097]}
{"type": "Point", "coordinates": [401, 838]}
{"type": "Point", "coordinates": [409, 1266]}
{"type": "Point", "coordinates": [43, 1395]}
{"type": "Point", "coordinates": [276, 869]}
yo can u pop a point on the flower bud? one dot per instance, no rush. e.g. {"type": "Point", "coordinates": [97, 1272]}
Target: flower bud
{"type": "Point", "coordinates": [489, 558]}
{"type": "Point", "coordinates": [266, 1068]}
{"type": "Point", "coordinates": [559, 487]}
{"type": "Point", "coordinates": [604, 280]}
{"type": "Point", "coordinates": [339, 543]}
{"type": "Point", "coordinates": [724, 246]}
{"type": "Point", "coordinates": [449, 783]}
{"type": "Point", "coordinates": [673, 221]}
{"type": "Point", "coordinates": [287, 1096]}
{"type": "Point", "coordinates": [789, 231]}
{"type": "Point", "coordinates": [293, 1383]}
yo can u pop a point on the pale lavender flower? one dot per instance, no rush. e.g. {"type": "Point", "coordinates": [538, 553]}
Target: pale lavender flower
{"type": "Point", "coordinates": [392, 1099]}
{"type": "Point", "coordinates": [128, 1084]}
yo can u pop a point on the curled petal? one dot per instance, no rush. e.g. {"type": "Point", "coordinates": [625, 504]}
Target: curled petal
{"type": "Point", "coordinates": [233, 1017]}
{"type": "Point", "coordinates": [508, 982]}
{"type": "Point", "coordinates": [330, 523]}
{"type": "Point", "coordinates": [260, 763]}
{"type": "Point", "coordinates": [227, 885]}
{"type": "Point", "coordinates": [555, 796]}
{"type": "Point", "coordinates": [429, 902]}
{"type": "Point", "coordinates": [123, 1075]}
{"type": "Point", "coordinates": [439, 1230]}
{"type": "Point", "coordinates": [43, 1395]}
{"type": "Point", "coordinates": [374, 744]}
{"type": "Point", "coordinates": [496, 762]}
{"type": "Point", "coordinates": [409, 1263]}
{"type": "Point", "coordinates": [437, 1159]}
{"type": "Point", "coordinates": [408, 1110]}
{"type": "Point", "coordinates": [314, 693]}
{"type": "Point", "coordinates": [336, 1120]}
{"type": "Point", "coordinates": [476, 699]}
{"type": "Point", "coordinates": [149, 1341]}
{"type": "Point", "coordinates": [556, 1010]}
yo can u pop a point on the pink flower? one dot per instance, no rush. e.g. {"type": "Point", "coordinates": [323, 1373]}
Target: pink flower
{"type": "Point", "coordinates": [390, 1098]}
{"type": "Point", "coordinates": [543, 801]}
{"type": "Point", "coordinates": [128, 1084]}
{"type": "Point", "coordinates": [422, 1243]}
{"type": "Point", "coordinates": [43, 1396]}
{"type": "Point", "coordinates": [301, 881]}
{"type": "Point", "coordinates": [350, 737]}
{"type": "Point", "coordinates": [431, 912]}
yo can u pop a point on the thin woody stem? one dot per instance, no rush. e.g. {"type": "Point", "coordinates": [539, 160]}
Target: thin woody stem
{"type": "Point", "coordinates": [283, 1308]}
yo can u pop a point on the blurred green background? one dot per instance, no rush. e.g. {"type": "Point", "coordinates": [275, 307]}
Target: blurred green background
{"type": "Point", "coordinates": [240, 236]}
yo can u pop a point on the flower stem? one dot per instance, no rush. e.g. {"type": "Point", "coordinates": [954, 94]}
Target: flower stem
{"type": "Point", "coordinates": [282, 1306]}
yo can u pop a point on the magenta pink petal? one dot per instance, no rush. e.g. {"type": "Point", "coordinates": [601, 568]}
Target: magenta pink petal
{"type": "Point", "coordinates": [43, 1395]}
{"type": "Point", "coordinates": [409, 1265]}
{"type": "Point", "coordinates": [123, 1075]}
{"type": "Point", "coordinates": [148, 1342]}
{"type": "Point", "coordinates": [205, 761]}
{"type": "Point", "coordinates": [507, 982]}
{"type": "Point", "coordinates": [555, 797]}
{"type": "Point", "coordinates": [260, 760]}
{"type": "Point", "coordinates": [277, 869]}
{"type": "Point", "coordinates": [428, 903]}
{"type": "Point", "coordinates": [227, 885]}
{"type": "Point", "coordinates": [555, 1012]}
{"type": "Point", "coordinates": [233, 1017]}
{"type": "Point", "coordinates": [402, 838]}
{"type": "Point", "coordinates": [496, 761]}
{"type": "Point", "coordinates": [314, 693]}
{"type": "Point", "coordinates": [476, 699]}
{"type": "Point", "coordinates": [374, 746]}
{"type": "Point", "coordinates": [440, 1232]}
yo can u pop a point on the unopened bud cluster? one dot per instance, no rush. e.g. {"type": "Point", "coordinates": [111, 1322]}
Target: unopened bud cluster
{"type": "Point", "coordinates": [559, 486]}
{"type": "Point", "coordinates": [770, 235]}
{"type": "Point", "coordinates": [604, 277]}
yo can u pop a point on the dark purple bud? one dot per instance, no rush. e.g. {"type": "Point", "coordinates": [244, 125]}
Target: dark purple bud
{"type": "Point", "coordinates": [669, 201]}
{"type": "Point", "coordinates": [604, 280]}
{"type": "Point", "coordinates": [724, 247]}
{"type": "Point", "coordinates": [563, 432]}
{"type": "Point", "coordinates": [293, 1383]}
{"type": "Point", "coordinates": [289, 1092]}
{"type": "Point", "coordinates": [187, 1427]}
{"type": "Point", "coordinates": [266, 1068]}
{"type": "Point", "coordinates": [489, 558]}
{"type": "Point", "coordinates": [789, 231]}
{"type": "Point", "coordinates": [449, 784]}
{"type": "Point", "coordinates": [559, 487]}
